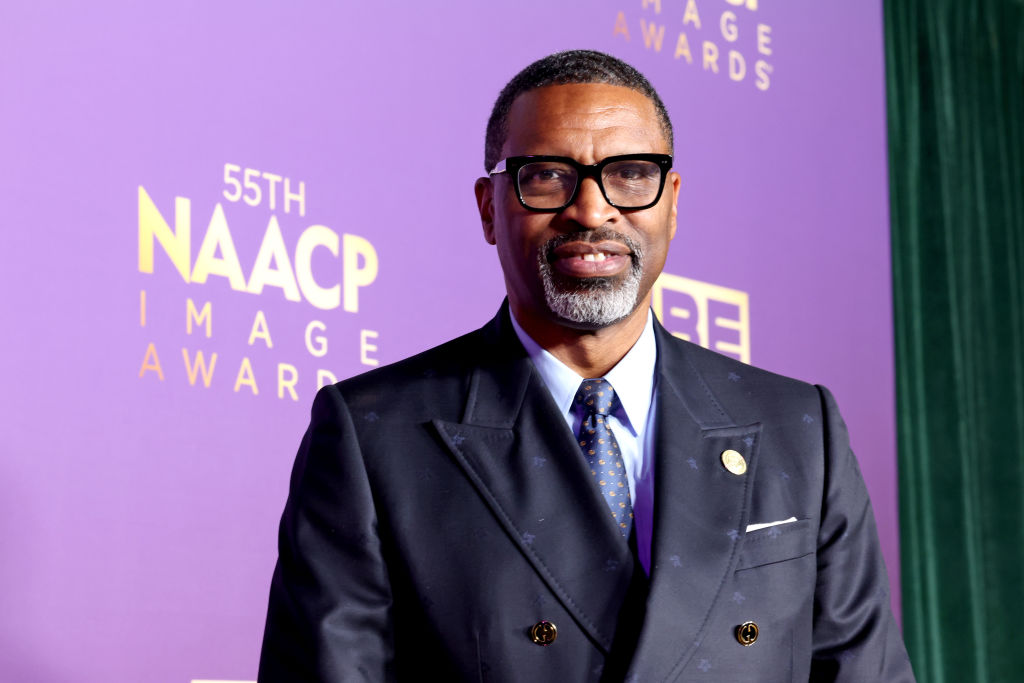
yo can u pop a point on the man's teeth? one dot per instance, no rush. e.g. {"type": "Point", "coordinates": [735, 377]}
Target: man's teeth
{"type": "Point", "coordinates": [599, 256]}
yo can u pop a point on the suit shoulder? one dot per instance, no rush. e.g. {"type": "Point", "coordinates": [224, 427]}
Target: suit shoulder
{"type": "Point", "coordinates": [719, 365]}
{"type": "Point", "coordinates": [737, 383]}
{"type": "Point", "coordinates": [440, 371]}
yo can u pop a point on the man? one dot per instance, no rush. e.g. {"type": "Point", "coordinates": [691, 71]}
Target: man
{"type": "Point", "coordinates": [570, 493]}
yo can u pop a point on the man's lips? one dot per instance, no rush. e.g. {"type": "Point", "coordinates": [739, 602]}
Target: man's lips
{"type": "Point", "coordinates": [591, 259]}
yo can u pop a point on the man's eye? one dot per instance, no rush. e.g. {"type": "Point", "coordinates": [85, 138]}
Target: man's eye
{"type": "Point", "coordinates": [543, 175]}
{"type": "Point", "coordinates": [633, 173]}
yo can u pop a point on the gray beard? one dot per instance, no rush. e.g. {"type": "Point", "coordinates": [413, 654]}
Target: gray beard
{"type": "Point", "coordinates": [591, 302]}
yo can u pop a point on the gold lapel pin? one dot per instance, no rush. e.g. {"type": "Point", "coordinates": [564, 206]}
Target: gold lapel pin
{"type": "Point", "coordinates": [734, 462]}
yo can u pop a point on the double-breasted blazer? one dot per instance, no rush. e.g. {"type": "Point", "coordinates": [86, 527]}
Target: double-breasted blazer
{"type": "Point", "coordinates": [439, 508]}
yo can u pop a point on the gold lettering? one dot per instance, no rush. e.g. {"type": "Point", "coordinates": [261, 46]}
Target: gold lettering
{"type": "Point", "coordinates": [691, 310]}
{"type": "Point", "coordinates": [728, 26]}
{"type": "Point", "coordinates": [764, 39]}
{"type": "Point", "coordinates": [621, 27]}
{"type": "Point", "coordinates": [312, 237]}
{"type": "Point", "coordinates": [260, 330]}
{"type": "Point", "coordinates": [690, 15]}
{"type": "Point", "coordinates": [287, 378]}
{"type": "Point", "coordinates": [365, 347]}
{"type": "Point", "coordinates": [151, 361]}
{"type": "Point", "coordinates": [176, 243]}
{"type": "Point", "coordinates": [318, 350]}
{"type": "Point", "coordinates": [710, 56]}
{"type": "Point", "coordinates": [653, 35]}
{"type": "Point", "coordinates": [763, 70]}
{"type": "Point", "coordinates": [226, 265]}
{"type": "Point", "coordinates": [353, 276]}
{"type": "Point", "coordinates": [324, 377]}
{"type": "Point", "coordinates": [199, 368]}
{"type": "Point", "coordinates": [737, 66]}
{"type": "Point", "coordinates": [273, 251]}
{"type": "Point", "coordinates": [299, 197]}
{"type": "Point", "coordinates": [246, 377]}
{"type": "Point", "coordinates": [683, 48]}
{"type": "Point", "coordinates": [200, 317]}
{"type": "Point", "coordinates": [272, 180]}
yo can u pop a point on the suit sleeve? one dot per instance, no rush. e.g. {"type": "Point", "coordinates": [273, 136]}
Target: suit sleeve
{"type": "Point", "coordinates": [856, 638]}
{"type": "Point", "coordinates": [330, 603]}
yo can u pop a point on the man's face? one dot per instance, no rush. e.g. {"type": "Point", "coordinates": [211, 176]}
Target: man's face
{"type": "Point", "coordinates": [590, 265]}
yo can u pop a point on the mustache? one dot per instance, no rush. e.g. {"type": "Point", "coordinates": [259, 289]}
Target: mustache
{"type": "Point", "coordinates": [591, 237]}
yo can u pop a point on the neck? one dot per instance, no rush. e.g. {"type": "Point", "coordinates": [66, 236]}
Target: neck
{"type": "Point", "coordinates": [589, 353]}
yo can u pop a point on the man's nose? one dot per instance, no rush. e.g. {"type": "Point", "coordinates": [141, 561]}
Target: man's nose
{"type": "Point", "coordinates": [590, 209]}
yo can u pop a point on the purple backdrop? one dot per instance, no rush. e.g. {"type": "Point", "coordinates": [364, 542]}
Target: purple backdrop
{"type": "Point", "coordinates": [138, 506]}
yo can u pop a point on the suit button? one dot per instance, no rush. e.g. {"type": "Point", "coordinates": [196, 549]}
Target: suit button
{"type": "Point", "coordinates": [543, 633]}
{"type": "Point", "coordinates": [746, 633]}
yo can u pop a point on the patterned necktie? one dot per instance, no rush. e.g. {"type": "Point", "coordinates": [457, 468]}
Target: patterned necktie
{"type": "Point", "coordinates": [601, 451]}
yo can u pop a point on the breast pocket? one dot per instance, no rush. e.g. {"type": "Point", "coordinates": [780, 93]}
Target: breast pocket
{"type": "Point", "coordinates": [777, 544]}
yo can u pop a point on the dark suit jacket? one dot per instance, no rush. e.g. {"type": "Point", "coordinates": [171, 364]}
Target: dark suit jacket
{"type": "Point", "coordinates": [439, 507]}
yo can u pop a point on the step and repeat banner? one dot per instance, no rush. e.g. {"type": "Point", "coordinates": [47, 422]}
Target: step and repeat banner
{"type": "Point", "coordinates": [213, 209]}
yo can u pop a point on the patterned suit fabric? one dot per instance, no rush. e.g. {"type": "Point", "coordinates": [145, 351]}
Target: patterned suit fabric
{"type": "Point", "coordinates": [601, 450]}
{"type": "Point", "coordinates": [365, 587]}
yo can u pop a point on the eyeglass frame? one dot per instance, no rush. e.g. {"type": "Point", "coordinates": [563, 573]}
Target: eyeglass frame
{"type": "Point", "coordinates": [512, 165]}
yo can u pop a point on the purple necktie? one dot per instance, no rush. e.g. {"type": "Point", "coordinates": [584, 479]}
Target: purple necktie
{"type": "Point", "coordinates": [597, 399]}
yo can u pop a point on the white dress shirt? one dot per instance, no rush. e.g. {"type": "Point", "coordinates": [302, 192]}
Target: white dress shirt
{"type": "Point", "coordinates": [632, 422]}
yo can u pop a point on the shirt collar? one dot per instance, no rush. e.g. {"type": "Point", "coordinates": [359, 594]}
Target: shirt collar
{"type": "Point", "coordinates": [632, 377]}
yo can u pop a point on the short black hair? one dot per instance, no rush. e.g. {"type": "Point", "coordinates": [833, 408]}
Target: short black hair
{"type": "Point", "coordinates": [565, 68]}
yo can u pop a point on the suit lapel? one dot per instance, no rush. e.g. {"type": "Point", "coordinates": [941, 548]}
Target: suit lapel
{"type": "Point", "coordinates": [701, 509]}
{"type": "Point", "coordinates": [523, 460]}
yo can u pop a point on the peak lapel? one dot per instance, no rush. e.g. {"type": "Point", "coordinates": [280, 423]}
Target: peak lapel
{"type": "Point", "coordinates": [523, 460]}
{"type": "Point", "coordinates": [701, 508]}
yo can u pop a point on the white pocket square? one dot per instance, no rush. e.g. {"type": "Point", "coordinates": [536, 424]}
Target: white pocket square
{"type": "Point", "coordinates": [765, 525]}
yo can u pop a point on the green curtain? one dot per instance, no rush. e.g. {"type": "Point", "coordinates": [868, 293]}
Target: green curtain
{"type": "Point", "coordinates": [955, 85]}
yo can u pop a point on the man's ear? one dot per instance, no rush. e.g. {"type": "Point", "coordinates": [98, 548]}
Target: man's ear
{"type": "Point", "coordinates": [674, 182]}
{"type": "Point", "coordinates": [484, 189]}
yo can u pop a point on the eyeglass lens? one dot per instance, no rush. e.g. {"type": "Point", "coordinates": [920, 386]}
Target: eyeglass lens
{"type": "Point", "coordinates": [628, 183]}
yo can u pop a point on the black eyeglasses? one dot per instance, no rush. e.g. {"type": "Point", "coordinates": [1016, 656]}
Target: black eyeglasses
{"type": "Point", "coordinates": [547, 183]}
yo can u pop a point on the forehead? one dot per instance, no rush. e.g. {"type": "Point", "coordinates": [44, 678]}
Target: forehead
{"type": "Point", "coordinates": [583, 120]}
